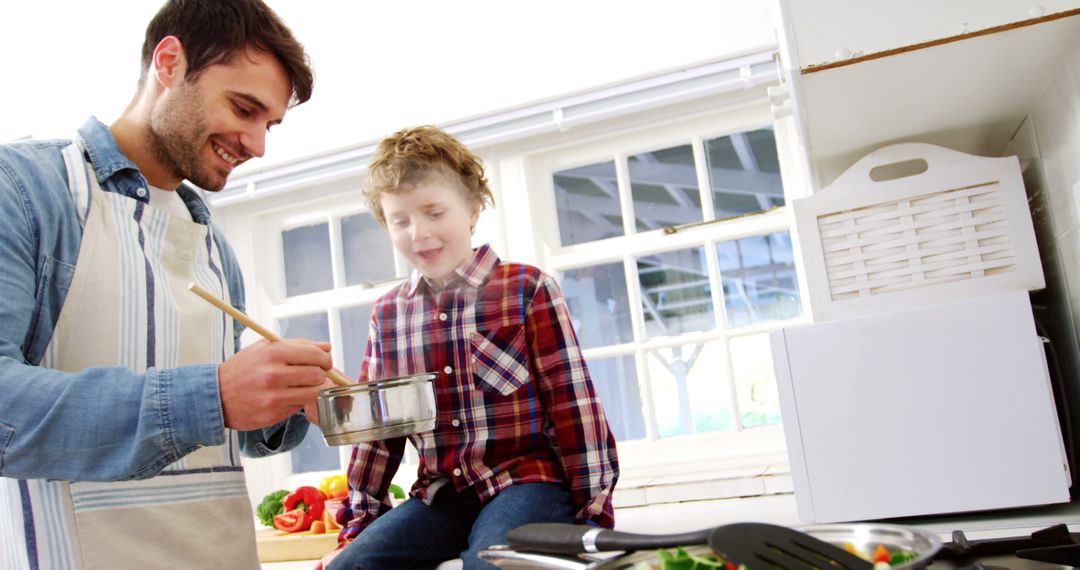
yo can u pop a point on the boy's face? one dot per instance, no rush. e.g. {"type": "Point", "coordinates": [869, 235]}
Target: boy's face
{"type": "Point", "coordinates": [431, 226]}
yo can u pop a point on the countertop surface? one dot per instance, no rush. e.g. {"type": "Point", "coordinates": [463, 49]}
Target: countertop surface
{"type": "Point", "coordinates": [780, 509]}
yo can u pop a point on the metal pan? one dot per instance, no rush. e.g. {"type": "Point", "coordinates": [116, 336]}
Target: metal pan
{"type": "Point", "coordinates": [378, 410]}
{"type": "Point", "coordinates": [760, 546]}
{"type": "Point", "coordinates": [863, 536]}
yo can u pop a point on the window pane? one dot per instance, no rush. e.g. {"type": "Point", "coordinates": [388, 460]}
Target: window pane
{"type": "Point", "coordinates": [744, 172]}
{"type": "Point", "coordinates": [664, 186]}
{"type": "Point", "coordinates": [587, 200]}
{"type": "Point", "coordinates": [314, 327]}
{"type": "Point", "coordinates": [307, 259]}
{"type": "Point", "coordinates": [369, 255]}
{"type": "Point", "coordinates": [354, 333]}
{"type": "Point", "coordinates": [755, 383]}
{"type": "Point", "coordinates": [675, 292]}
{"type": "Point", "coordinates": [758, 275]}
{"type": "Point", "coordinates": [689, 390]}
{"type": "Point", "coordinates": [615, 380]}
{"type": "Point", "coordinates": [598, 303]}
{"type": "Point", "coordinates": [312, 454]}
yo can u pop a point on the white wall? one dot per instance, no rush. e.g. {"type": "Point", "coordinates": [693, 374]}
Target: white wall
{"type": "Point", "coordinates": [380, 66]}
{"type": "Point", "coordinates": [1048, 144]}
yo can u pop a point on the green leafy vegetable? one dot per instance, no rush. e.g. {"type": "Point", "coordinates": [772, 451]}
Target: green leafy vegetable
{"type": "Point", "coordinates": [271, 506]}
{"type": "Point", "coordinates": [683, 560]}
{"type": "Point", "coordinates": [901, 557]}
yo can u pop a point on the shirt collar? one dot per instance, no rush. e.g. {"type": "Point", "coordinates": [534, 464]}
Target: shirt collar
{"type": "Point", "coordinates": [104, 152]}
{"type": "Point", "coordinates": [109, 160]}
{"type": "Point", "coordinates": [472, 272]}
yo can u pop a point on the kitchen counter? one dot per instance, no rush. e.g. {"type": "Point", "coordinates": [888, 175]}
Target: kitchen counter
{"type": "Point", "coordinates": [780, 509]}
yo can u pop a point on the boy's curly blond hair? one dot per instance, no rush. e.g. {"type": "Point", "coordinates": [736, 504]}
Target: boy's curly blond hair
{"type": "Point", "coordinates": [410, 156]}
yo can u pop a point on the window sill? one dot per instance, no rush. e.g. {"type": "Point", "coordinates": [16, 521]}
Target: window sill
{"type": "Point", "coordinates": [707, 480]}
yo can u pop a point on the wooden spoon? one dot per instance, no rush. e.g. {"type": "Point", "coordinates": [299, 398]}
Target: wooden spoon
{"type": "Point", "coordinates": [266, 333]}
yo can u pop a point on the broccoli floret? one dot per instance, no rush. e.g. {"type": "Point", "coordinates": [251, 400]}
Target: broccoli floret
{"type": "Point", "coordinates": [270, 507]}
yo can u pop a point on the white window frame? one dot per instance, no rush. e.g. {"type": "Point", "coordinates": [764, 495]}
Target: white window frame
{"type": "Point", "coordinates": [602, 144]}
{"type": "Point", "coordinates": [268, 299]}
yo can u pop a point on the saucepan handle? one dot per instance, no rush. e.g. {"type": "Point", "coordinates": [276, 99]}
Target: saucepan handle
{"type": "Point", "coordinates": [572, 539]}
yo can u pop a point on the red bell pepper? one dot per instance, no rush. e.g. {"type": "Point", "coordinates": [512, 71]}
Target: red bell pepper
{"type": "Point", "coordinates": [307, 499]}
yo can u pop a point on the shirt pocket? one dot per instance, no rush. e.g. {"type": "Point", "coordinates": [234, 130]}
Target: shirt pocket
{"type": "Point", "coordinates": [499, 359]}
{"type": "Point", "coordinates": [51, 294]}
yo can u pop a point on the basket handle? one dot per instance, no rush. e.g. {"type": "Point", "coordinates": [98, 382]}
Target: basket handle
{"type": "Point", "coordinates": [898, 161]}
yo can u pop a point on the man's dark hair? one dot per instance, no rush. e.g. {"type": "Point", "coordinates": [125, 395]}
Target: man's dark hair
{"type": "Point", "coordinates": [216, 31]}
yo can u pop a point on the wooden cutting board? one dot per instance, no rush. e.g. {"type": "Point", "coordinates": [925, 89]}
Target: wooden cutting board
{"type": "Point", "coordinates": [277, 546]}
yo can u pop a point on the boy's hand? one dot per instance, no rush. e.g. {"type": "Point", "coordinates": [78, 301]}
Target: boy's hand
{"type": "Point", "coordinates": [269, 381]}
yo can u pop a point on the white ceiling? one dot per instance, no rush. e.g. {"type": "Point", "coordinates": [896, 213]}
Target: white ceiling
{"type": "Point", "coordinates": [380, 66]}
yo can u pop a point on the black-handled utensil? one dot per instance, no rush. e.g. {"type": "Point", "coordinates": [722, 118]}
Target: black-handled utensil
{"type": "Point", "coordinates": [562, 538]}
{"type": "Point", "coordinates": [757, 545]}
{"type": "Point", "coordinates": [766, 546]}
{"type": "Point", "coordinates": [962, 547]}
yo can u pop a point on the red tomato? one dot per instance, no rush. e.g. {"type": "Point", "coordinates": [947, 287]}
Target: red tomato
{"type": "Point", "coordinates": [293, 521]}
{"type": "Point", "coordinates": [881, 554]}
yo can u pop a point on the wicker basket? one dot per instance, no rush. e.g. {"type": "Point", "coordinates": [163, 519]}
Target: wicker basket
{"type": "Point", "coordinates": [954, 226]}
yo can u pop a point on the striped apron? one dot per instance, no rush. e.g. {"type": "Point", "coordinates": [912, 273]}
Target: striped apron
{"type": "Point", "coordinates": [128, 305]}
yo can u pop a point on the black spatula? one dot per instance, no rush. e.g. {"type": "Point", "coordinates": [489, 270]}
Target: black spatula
{"type": "Point", "coordinates": [757, 545]}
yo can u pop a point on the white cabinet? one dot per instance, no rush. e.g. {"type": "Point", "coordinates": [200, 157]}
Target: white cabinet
{"type": "Point", "coordinates": [963, 383]}
{"type": "Point", "coordinates": [960, 74]}
{"type": "Point", "coordinates": [941, 409]}
{"type": "Point", "coordinates": [828, 32]}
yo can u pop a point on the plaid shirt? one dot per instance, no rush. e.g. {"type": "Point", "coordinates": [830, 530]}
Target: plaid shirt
{"type": "Point", "coordinates": [515, 400]}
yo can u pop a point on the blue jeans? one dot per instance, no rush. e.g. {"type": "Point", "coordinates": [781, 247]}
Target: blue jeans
{"type": "Point", "coordinates": [415, 535]}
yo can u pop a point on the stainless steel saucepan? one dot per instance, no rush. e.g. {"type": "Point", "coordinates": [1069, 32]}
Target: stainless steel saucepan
{"type": "Point", "coordinates": [354, 413]}
{"type": "Point", "coordinates": [377, 410]}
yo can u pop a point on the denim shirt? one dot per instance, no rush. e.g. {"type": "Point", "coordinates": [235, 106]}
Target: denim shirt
{"type": "Point", "coordinates": [101, 424]}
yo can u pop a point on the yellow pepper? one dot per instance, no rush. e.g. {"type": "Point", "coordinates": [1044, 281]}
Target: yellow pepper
{"type": "Point", "coordinates": [333, 484]}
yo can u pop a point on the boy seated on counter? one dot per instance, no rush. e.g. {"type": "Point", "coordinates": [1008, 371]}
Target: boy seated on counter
{"type": "Point", "coordinates": [521, 436]}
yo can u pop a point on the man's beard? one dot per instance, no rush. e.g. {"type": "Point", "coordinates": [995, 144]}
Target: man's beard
{"type": "Point", "coordinates": [176, 138]}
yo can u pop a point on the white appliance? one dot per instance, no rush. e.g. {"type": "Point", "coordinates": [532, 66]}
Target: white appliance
{"type": "Point", "coordinates": [940, 409]}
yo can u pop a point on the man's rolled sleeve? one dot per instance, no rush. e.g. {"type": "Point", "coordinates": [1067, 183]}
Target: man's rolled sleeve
{"type": "Point", "coordinates": [281, 437]}
{"type": "Point", "coordinates": [190, 409]}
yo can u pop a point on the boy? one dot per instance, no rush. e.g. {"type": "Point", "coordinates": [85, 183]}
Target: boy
{"type": "Point", "coordinates": [521, 436]}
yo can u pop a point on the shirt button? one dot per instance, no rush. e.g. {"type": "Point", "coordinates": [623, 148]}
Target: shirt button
{"type": "Point", "coordinates": [141, 192]}
{"type": "Point", "coordinates": [442, 316]}
{"type": "Point", "coordinates": [448, 370]}
{"type": "Point", "coordinates": [457, 472]}
{"type": "Point", "coordinates": [456, 422]}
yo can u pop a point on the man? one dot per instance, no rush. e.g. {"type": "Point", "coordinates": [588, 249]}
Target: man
{"type": "Point", "coordinates": [124, 405]}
